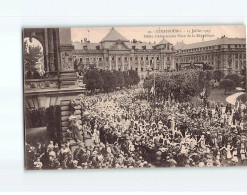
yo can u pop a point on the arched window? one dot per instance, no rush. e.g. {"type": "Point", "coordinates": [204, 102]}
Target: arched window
{"type": "Point", "coordinates": [33, 58]}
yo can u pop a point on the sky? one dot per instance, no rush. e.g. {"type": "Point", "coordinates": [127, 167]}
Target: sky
{"type": "Point", "coordinates": [34, 42]}
{"type": "Point", "coordinates": [173, 34]}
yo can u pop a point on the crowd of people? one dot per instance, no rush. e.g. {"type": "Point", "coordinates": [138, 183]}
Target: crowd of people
{"type": "Point", "coordinates": [122, 130]}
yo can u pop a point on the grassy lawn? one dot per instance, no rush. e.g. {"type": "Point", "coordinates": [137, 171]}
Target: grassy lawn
{"type": "Point", "coordinates": [218, 95]}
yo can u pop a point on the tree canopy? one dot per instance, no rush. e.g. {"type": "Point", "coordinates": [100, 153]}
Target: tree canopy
{"type": "Point", "coordinates": [32, 54]}
{"type": "Point", "coordinates": [107, 81]}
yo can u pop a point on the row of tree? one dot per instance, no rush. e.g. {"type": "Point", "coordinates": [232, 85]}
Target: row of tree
{"type": "Point", "coordinates": [106, 81]}
{"type": "Point", "coordinates": [183, 85]}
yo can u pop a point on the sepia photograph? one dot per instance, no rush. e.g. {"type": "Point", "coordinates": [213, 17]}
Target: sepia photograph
{"type": "Point", "coordinates": [134, 97]}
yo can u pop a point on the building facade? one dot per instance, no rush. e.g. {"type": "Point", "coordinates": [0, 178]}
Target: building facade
{"type": "Point", "coordinates": [115, 52]}
{"type": "Point", "coordinates": [226, 54]}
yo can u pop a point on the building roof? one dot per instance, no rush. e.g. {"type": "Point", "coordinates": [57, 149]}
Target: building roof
{"type": "Point", "coordinates": [179, 45]}
{"type": "Point", "coordinates": [221, 41]}
{"type": "Point", "coordinates": [113, 35]}
{"type": "Point", "coordinates": [139, 45]}
{"type": "Point", "coordinates": [79, 45]}
{"type": "Point", "coordinates": [163, 42]}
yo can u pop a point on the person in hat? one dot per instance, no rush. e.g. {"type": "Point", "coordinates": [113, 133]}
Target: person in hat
{"type": "Point", "coordinates": [242, 153]}
{"type": "Point", "coordinates": [234, 156]}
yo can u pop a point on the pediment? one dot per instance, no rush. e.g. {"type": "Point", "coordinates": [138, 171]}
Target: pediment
{"type": "Point", "coordinates": [119, 46]}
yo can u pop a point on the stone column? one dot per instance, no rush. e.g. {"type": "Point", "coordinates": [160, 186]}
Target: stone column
{"type": "Point", "coordinates": [109, 59]}
{"type": "Point", "coordinates": [46, 60]}
{"type": "Point", "coordinates": [129, 62]}
{"type": "Point", "coordinates": [164, 63]}
{"type": "Point", "coordinates": [116, 62]}
{"type": "Point", "coordinates": [155, 63]}
{"type": "Point", "coordinates": [66, 49]}
{"type": "Point", "coordinates": [139, 65]}
{"type": "Point", "coordinates": [97, 63]}
{"type": "Point", "coordinates": [122, 57]}
{"type": "Point", "coordinates": [51, 50]}
{"type": "Point", "coordinates": [173, 63]}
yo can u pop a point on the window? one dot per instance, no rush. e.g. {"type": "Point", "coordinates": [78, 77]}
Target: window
{"type": "Point", "coordinates": [236, 55]}
{"type": "Point", "coordinates": [125, 58]}
{"type": "Point", "coordinates": [142, 69]}
{"type": "Point", "coordinates": [130, 58]}
{"type": "Point", "coordinates": [236, 64]}
{"type": "Point", "coordinates": [146, 57]}
{"type": "Point", "coordinates": [100, 59]}
{"type": "Point", "coordinates": [80, 59]}
{"type": "Point", "coordinates": [112, 58]}
{"type": "Point", "coordinates": [158, 58]}
{"type": "Point", "coordinates": [87, 59]}
{"type": "Point", "coordinates": [119, 59]}
{"type": "Point", "coordinates": [106, 59]}
{"type": "Point", "coordinates": [136, 58]}
{"type": "Point", "coordinates": [141, 58]}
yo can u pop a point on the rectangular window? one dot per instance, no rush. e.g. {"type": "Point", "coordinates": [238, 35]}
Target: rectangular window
{"type": "Point", "coordinates": [158, 58]}
{"type": "Point", "coordinates": [130, 58]}
{"type": "Point", "coordinates": [141, 58]}
{"type": "Point", "coordinates": [87, 59]}
{"type": "Point", "coordinates": [100, 59]}
{"type": "Point", "coordinates": [236, 64]}
{"type": "Point", "coordinates": [147, 58]}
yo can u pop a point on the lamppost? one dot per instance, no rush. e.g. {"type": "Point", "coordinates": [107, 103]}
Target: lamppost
{"type": "Point", "coordinates": [154, 69]}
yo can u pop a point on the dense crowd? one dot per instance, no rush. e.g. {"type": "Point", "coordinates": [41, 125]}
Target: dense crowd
{"type": "Point", "coordinates": [121, 131]}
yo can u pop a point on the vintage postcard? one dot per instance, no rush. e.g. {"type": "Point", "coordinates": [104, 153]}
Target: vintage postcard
{"type": "Point", "coordinates": [135, 97]}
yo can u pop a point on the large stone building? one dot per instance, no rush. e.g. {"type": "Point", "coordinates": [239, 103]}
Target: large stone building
{"type": "Point", "coordinates": [115, 52]}
{"type": "Point", "coordinates": [226, 54]}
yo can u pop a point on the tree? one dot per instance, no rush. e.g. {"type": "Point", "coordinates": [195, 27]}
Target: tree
{"type": "Point", "coordinates": [109, 80]}
{"type": "Point", "coordinates": [119, 78]}
{"type": "Point", "coordinates": [134, 77]}
{"type": "Point", "coordinates": [235, 78]}
{"type": "Point", "coordinates": [227, 84]}
{"type": "Point", "coordinates": [32, 54]}
{"type": "Point", "coordinates": [93, 80]}
{"type": "Point", "coordinates": [182, 85]}
{"type": "Point", "coordinates": [128, 81]}
{"type": "Point", "coordinates": [218, 75]}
